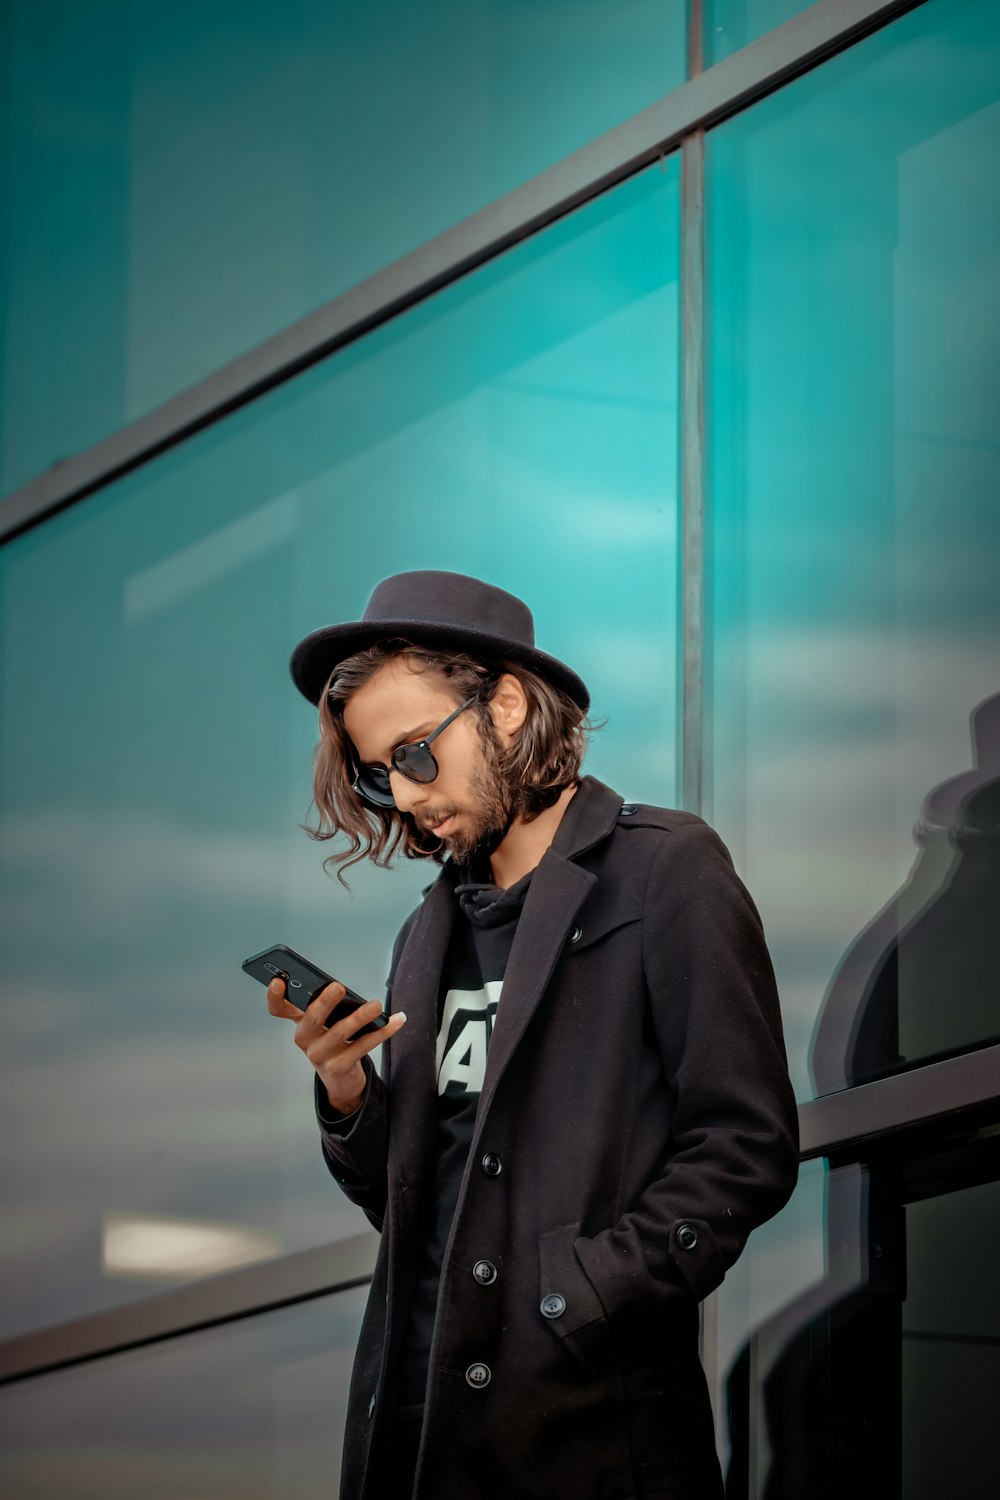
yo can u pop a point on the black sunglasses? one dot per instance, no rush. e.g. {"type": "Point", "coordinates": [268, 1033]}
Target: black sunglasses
{"type": "Point", "coordinates": [413, 761]}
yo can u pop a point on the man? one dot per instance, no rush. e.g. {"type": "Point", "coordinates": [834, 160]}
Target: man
{"type": "Point", "coordinates": [584, 1107]}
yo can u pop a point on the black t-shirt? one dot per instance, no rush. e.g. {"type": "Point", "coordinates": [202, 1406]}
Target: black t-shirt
{"type": "Point", "coordinates": [467, 1004]}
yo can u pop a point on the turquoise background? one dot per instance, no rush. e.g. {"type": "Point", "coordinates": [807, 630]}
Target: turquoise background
{"type": "Point", "coordinates": [854, 613]}
{"type": "Point", "coordinates": [179, 185]}
{"type": "Point", "coordinates": [183, 181]}
{"type": "Point", "coordinates": [155, 756]}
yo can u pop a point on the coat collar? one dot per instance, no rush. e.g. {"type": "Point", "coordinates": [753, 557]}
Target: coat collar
{"type": "Point", "coordinates": [557, 890]}
{"type": "Point", "coordinates": [589, 818]}
{"type": "Point", "coordinates": [591, 815]}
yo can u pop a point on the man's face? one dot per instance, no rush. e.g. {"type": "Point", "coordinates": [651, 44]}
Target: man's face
{"type": "Point", "coordinates": [469, 803]}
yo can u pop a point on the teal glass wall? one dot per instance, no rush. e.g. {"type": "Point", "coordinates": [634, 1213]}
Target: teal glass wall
{"type": "Point", "coordinates": [854, 654]}
{"type": "Point", "coordinates": [251, 1410]}
{"type": "Point", "coordinates": [155, 757]}
{"type": "Point", "coordinates": [183, 181]}
{"type": "Point", "coordinates": [851, 1360]}
{"type": "Point", "coordinates": [950, 1343]}
{"type": "Point", "coordinates": [784, 1276]}
{"type": "Point", "coordinates": [732, 24]}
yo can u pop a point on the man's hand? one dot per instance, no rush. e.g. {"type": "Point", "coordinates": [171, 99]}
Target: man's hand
{"type": "Point", "coordinates": [335, 1057]}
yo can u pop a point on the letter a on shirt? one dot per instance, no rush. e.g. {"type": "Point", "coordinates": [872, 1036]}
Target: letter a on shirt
{"type": "Point", "coordinates": [464, 1038]}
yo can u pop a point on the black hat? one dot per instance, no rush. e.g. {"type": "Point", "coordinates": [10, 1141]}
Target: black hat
{"type": "Point", "coordinates": [434, 609]}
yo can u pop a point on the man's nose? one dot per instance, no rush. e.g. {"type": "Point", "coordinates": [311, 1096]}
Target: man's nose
{"type": "Point", "coordinates": [408, 795]}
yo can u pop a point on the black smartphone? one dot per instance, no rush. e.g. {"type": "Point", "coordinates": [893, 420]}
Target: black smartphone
{"type": "Point", "coordinates": [303, 982]}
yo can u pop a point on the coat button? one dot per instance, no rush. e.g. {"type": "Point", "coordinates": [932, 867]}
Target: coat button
{"type": "Point", "coordinates": [576, 934]}
{"type": "Point", "coordinates": [687, 1236]}
{"type": "Point", "coordinates": [553, 1305]}
{"type": "Point", "coordinates": [478, 1375]}
{"type": "Point", "coordinates": [484, 1271]}
{"type": "Point", "coordinates": [491, 1164]}
{"type": "Point", "coordinates": [628, 810]}
{"type": "Point", "coordinates": [371, 1404]}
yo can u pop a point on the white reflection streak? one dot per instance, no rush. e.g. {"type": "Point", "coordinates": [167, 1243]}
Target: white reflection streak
{"type": "Point", "coordinates": [144, 1247]}
{"type": "Point", "coordinates": [210, 558]}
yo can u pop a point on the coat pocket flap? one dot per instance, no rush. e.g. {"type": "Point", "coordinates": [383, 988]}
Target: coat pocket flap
{"type": "Point", "coordinates": [568, 1302]}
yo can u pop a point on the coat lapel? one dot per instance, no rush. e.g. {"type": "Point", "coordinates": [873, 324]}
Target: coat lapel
{"type": "Point", "coordinates": [413, 1097]}
{"type": "Point", "coordinates": [557, 890]}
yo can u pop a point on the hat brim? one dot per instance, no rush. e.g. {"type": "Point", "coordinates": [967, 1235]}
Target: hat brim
{"type": "Point", "coordinates": [315, 657]}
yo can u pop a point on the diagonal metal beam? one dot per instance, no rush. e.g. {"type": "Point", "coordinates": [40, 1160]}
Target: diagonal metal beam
{"type": "Point", "coordinates": [204, 1304]}
{"type": "Point", "coordinates": [800, 44]}
{"type": "Point", "coordinates": [844, 1122]}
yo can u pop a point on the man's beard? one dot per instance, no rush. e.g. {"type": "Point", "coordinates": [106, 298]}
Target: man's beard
{"type": "Point", "coordinates": [496, 803]}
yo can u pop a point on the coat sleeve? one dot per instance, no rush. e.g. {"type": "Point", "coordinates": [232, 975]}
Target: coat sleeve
{"type": "Point", "coordinates": [732, 1158]}
{"type": "Point", "coordinates": [356, 1146]}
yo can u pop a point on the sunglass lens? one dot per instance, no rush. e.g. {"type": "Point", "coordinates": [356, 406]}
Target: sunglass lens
{"type": "Point", "coordinates": [416, 762]}
{"type": "Point", "coordinates": [374, 786]}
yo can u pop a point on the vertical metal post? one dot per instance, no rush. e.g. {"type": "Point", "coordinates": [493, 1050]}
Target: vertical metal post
{"type": "Point", "coordinates": [693, 438]}
{"type": "Point", "coordinates": [692, 417]}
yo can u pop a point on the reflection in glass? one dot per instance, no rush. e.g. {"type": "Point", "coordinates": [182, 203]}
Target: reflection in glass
{"type": "Point", "coordinates": [921, 980]}
{"type": "Point", "coordinates": [250, 1410]}
{"type": "Point", "coordinates": [520, 426]}
{"type": "Point", "coordinates": [153, 1248]}
{"type": "Point", "coordinates": [853, 602]}
{"type": "Point", "coordinates": [951, 1345]}
{"type": "Point", "coordinates": [876, 1379]}
{"type": "Point", "coordinates": [183, 181]}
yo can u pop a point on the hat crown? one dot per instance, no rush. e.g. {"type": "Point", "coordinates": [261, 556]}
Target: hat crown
{"type": "Point", "coordinates": [440, 610]}
{"type": "Point", "coordinates": [433, 597]}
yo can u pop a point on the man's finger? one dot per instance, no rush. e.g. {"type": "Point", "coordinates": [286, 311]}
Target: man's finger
{"type": "Point", "coordinates": [278, 1005]}
{"type": "Point", "coordinates": [327, 1000]}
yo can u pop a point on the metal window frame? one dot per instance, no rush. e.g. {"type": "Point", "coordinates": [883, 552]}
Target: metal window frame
{"type": "Point", "coordinates": [204, 1304]}
{"type": "Point", "coordinates": [707, 98]}
{"type": "Point", "coordinates": [846, 1123]}
{"type": "Point", "coordinates": [839, 1123]}
{"type": "Point", "coordinates": [843, 1125]}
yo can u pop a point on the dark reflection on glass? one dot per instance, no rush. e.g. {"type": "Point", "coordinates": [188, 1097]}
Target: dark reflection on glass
{"type": "Point", "coordinates": [921, 980]}
{"type": "Point", "coordinates": [251, 1410]}
{"type": "Point", "coordinates": [950, 1352]}
{"type": "Point", "coordinates": [817, 1378]}
{"type": "Point", "coordinates": [879, 1381]}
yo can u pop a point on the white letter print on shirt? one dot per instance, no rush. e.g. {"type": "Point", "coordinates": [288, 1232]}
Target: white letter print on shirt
{"type": "Point", "coordinates": [464, 1038]}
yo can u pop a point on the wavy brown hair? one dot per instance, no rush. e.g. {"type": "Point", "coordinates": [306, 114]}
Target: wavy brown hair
{"type": "Point", "coordinates": [540, 763]}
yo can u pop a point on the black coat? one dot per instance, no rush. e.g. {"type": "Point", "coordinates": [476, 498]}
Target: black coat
{"type": "Point", "coordinates": [636, 1122]}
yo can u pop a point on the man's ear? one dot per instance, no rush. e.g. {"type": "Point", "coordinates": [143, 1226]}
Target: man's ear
{"type": "Point", "coordinates": [509, 705]}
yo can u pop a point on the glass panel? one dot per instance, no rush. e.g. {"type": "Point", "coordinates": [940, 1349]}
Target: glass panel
{"type": "Point", "coordinates": [156, 758]}
{"type": "Point", "coordinates": [951, 1344]}
{"type": "Point", "coordinates": [250, 1410]}
{"type": "Point", "coordinates": [732, 24]}
{"type": "Point", "coordinates": [854, 468]}
{"type": "Point", "coordinates": [852, 1360]}
{"type": "Point", "coordinates": [795, 1269]}
{"type": "Point", "coordinates": [181, 182]}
